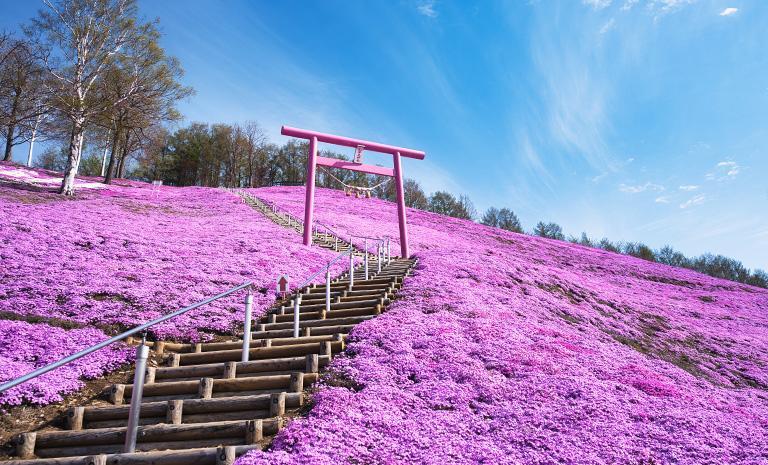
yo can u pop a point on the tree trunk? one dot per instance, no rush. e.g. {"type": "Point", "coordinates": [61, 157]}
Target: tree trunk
{"type": "Point", "coordinates": [112, 153]}
{"type": "Point", "coordinates": [9, 142]}
{"type": "Point", "coordinates": [73, 160]}
{"type": "Point", "coordinates": [124, 155]}
{"type": "Point", "coordinates": [12, 126]}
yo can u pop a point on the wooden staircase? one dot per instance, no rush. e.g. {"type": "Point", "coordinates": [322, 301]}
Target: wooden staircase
{"type": "Point", "coordinates": [202, 404]}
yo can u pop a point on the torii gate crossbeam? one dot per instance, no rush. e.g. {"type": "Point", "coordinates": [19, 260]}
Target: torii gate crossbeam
{"type": "Point", "coordinates": [313, 159]}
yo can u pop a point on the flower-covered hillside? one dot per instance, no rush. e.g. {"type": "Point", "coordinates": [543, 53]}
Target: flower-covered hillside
{"type": "Point", "coordinates": [117, 256]}
{"type": "Point", "coordinates": [125, 255]}
{"type": "Point", "coordinates": [29, 346]}
{"type": "Point", "coordinates": [505, 348]}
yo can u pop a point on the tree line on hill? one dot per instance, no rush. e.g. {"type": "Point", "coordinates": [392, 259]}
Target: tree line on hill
{"type": "Point", "coordinates": [714, 265]}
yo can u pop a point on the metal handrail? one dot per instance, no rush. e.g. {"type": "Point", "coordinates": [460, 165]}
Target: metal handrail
{"type": "Point", "coordinates": [142, 354]}
{"type": "Point", "coordinates": [52, 366]}
{"type": "Point", "coordinates": [327, 267]}
{"type": "Point", "coordinates": [333, 233]}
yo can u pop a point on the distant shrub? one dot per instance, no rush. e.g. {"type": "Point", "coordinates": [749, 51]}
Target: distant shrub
{"type": "Point", "coordinates": [639, 250]}
{"type": "Point", "coordinates": [549, 230]}
{"type": "Point", "coordinates": [605, 244]}
{"type": "Point", "coordinates": [502, 218]}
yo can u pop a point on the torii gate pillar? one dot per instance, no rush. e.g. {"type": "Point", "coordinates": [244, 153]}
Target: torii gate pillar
{"type": "Point", "coordinates": [309, 200]}
{"type": "Point", "coordinates": [404, 252]}
{"type": "Point", "coordinates": [313, 160]}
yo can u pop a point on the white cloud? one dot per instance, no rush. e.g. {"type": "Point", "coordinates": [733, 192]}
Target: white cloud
{"type": "Point", "coordinates": [628, 5]}
{"type": "Point", "coordinates": [662, 199]}
{"type": "Point", "coordinates": [729, 11]}
{"type": "Point", "coordinates": [731, 166]}
{"type": "Point", "coordinates": [688, 188]}
{"type": "Point", "coordinates": [597, 4]}
{"type": "Point", "coordinates": [608, 26]}
{"type": "Point", "coordinates": [727, 169]}
{"type": "Point", "coordinates": [648, 186]}
{"type": "Point", "coordinates": [427, 9]}
{"type": "Point", "coordinates": [724, 170]}
{"type": "Point", "coordinates": [663, 7]}
{"type": "Point", "coordinates": [696, 200]}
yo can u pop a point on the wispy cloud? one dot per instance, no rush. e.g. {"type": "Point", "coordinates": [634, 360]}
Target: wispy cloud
{"type": "Point", "coordinates": [662, 199]}
{"type": "Point", "coordinates": [695, 200]}
{"type": "Point", "coordinates": [628, 5]}
{"type": "Point", "coordinates": [729, 11]}
{"type": "Point", "coordinates": [575, 103]}
{"type": "Point", "coordinates": [427, 9]}
{"type": "Point", "coordinates": [667, 6]}
{"type": "Point", "coordinates": [723, 171]}
{"type": "Point", "coordinates": [597, 4]}
{"type": "Point", "coordinates": [689, 187]}
{"type": "Point", "coordinates": [610, 24]}
{"type": "Point", "coordinates": [648, 186]}
{"type": "Point", "coordinates": [731, 166]}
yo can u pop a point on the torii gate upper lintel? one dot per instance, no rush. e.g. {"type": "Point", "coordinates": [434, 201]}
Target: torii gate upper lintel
{"type": "Point", "coordinates": [314, 159]}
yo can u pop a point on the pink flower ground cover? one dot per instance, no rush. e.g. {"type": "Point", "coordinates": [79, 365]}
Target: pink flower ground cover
{"type": "Point", "coordinates": [125, 255]}
{"type": "Point", "coordinates": [506, 348]}
{"type": "Point", "coordinates": [114, 257]}
{"type": "Point", "coordinates": [26, 347]}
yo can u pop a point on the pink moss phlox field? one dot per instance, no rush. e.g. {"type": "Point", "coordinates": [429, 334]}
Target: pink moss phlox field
{"type": "Point", "coordinates": [125, 255]}
{"type": "Point", "coordinates": [26, 347]}
{"type": "Point", "coordinates": [506, 348]}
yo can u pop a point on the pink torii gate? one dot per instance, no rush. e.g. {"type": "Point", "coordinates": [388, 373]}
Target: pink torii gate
{"type": "Point", "coordinates": [314, 159]}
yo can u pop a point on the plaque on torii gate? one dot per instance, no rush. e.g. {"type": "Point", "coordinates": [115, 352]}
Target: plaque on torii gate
{"type": "Point", "coordinates": [313, 159]}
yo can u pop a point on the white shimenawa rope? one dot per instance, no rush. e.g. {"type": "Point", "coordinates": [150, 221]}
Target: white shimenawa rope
{"type": "Point", "coordinates": [351, 187]}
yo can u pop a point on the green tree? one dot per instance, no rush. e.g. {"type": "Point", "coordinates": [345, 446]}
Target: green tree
{"type": "Point", "coordinates": [606, 244]}
{"type": "Point", "coordinates": [502, 218]}
{"type": "Point", "coordinates": [672, 257]}
{"type": "Point", "coordinates": [444, 203]}
{"type": "Point", "coordinates": [639, 250]}
{"type": "Point", "coordinates": [549, 230]}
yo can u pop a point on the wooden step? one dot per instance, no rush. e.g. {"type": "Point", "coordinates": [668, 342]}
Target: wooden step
{"type": "Point", "coordinates": [214, 346]}
{"type": "Point", "coordinates": [336, 306]}
{"type": "Point", "coordinates": [196, 456]}
{"type": "Point", "coordinates": [46, 444]}
{"type": "Point", "coordinates": [353, 320]}
{"type": "Point", "coordinates": [207, 388]}
{"type": "Point", "coordinates": [231, 370]}
{"type": "Point", "coordinates": [288, 333]}
{"type": "Point", "coordinates": [322, 314]}
{"type": "Point", "coordinates": [186, 411]}
{"type": "Point", "coordinates": [260, 353]}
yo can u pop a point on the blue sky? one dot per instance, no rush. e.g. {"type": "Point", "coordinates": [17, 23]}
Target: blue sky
{"type": "Point", "coordinates": [636, 120]}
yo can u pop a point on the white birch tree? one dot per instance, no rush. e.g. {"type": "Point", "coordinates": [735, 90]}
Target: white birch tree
{"type": "Point", "coordinates": [78, 40]}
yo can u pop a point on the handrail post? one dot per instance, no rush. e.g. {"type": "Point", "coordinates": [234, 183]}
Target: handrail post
{"type": "Point", "coordinates": [328, 290]}
{"type": "Point", "coordinates": [351, 268]}
{"type": "Point", "coordinates": [336, 244]}
{"type": "Point", "coordinates": [296, 308]}
{"type": "Point", "coordinates": [247, 326]}
{"type": "Point", "coordinates": [365, 251]}
{"type": "Point", "coordinates": [142, 353]}
{"type": "Point", "coordinates": [378, 257]}
{"type": "Point", "coordinates": [389, 252]}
